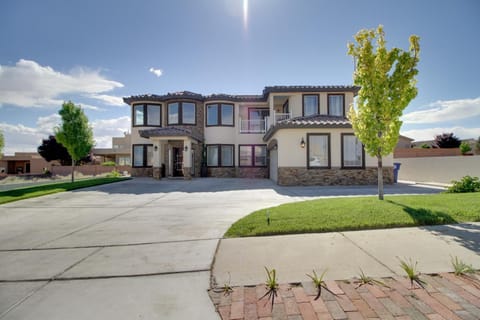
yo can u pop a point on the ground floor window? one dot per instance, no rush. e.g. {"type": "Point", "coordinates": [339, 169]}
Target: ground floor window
{"type": "Point", "coordinates": [252, 155]}
{"type": "Point", "coordinates": [142, 155]}
{"type": "Point", "coordinates": [318, 150]}
{"type": "Point", "coordinates": [353, 154]}
{"type": "Point", "coordinates": [220, 155]}
{"type": "Point", "coordinates": [124, 160]}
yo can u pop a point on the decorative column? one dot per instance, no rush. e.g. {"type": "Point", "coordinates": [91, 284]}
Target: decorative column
{"type": "Point", "coordinates": [187, 159]}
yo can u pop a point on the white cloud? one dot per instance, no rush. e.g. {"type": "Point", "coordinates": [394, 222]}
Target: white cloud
{"type": "Point", "coordinates": [157, 72]}
{"type": "Point", "coordinates": [430, 133]}
{"type": "Point", "coordinates": [110, 100]}
{"type": "Point", "coordinates": [104, 130]}
{"type": "Point", "coordinates": [448, 110]}
{"type": "Point", "coordinates": [20, 138]}
{"type": "Point", "coordinates": [28, 84]}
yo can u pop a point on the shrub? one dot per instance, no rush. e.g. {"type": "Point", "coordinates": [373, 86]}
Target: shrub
{"type": "Point", "coordinates": [467, 184]}
{"type": "Point", "coordinates": [109, 164]}
{"type": "Point", "coordinates": [114, 174]}
{"type": "Point", "coordinates": [425, 146]}
{"type": "Point", "coordinates": [447, 140]}
{"type": "Point", "coordinates": [465, 147]}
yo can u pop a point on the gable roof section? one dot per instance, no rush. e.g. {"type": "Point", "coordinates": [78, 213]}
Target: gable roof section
{"type": "Point", "coordinates": [238, 98]}
{"type": "Point", "coordinates": [313, 121]}
{"type": "Point", "coordinates": [171, 132]}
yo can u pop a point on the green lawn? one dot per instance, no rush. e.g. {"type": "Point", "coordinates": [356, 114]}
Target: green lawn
{"type": "Point", "coordinates": [357, 213]}
{"type": "Point", "coordinates": [37, 191]}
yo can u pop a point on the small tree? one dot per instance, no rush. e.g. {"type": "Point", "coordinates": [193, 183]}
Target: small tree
{"type": "Point", "coordinates": [51, 150]}
{"type": "Point", "coordinates": [387, 81]}
{"type": "Point", "coordinates": [2, 143]}
{"type": "Point", "coordinates": [75, 134]}
{"type": "Point", "coordinates": [447, 140]}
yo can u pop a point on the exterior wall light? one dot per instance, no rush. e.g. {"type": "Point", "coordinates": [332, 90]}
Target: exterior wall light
{"type": "Point", "coordinates": [302, 143]}
{"type": "Point", "coordinates": [186, 148]}
{"type": "Point", "coordinates": [155, 148]}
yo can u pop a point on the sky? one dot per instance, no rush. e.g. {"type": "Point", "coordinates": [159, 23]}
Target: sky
{"type": "Point", "coordinates": [94, 52]}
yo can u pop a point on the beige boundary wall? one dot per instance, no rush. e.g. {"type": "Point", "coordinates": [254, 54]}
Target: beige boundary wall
{"type": "Point", "coordinates": [438, 169]}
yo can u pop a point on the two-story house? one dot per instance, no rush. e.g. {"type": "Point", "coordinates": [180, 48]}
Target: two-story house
{"type": "Point", "coordinates": [294, 135]}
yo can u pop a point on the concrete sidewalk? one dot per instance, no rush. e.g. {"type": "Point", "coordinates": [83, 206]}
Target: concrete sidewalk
{"type": "Point", "coordinates": [241, 260]}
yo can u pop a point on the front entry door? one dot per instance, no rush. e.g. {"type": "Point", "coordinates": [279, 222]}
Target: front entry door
{"type": "Point", "coordinates": [177, 162]}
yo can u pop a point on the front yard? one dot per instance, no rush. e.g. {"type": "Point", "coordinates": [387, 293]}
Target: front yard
{"type": "Point", "coordinates": [359, 213]}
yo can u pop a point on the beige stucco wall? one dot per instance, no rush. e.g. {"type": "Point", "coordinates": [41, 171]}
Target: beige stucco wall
{"type": "Point", "coordinates": [290, 154]}
{"type": "Point", "coordinates": [295, 102]}
{"type": "Point", "coordinates": [438, 169]}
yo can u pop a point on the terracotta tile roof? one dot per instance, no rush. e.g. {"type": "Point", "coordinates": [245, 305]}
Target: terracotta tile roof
{"type": "Point", "coordinates": [313, 121]}
{"type": "Point", "coordinates": [171, 132]}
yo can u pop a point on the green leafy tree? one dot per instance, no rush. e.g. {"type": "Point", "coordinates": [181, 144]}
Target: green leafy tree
{"type": "Point", "coordinates": [75, 133]}
{"type": "Point", "coordinates": [2, 143]}
{"type": "Point", "coordinates": [388, 84]}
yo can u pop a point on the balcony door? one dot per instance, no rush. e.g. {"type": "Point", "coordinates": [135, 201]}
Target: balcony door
{"type": "Point", "coordinates": [257, 118]}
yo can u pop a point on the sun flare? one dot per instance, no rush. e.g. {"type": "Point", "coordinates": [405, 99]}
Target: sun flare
{"type": "Point", "coordinates": [245, 14]}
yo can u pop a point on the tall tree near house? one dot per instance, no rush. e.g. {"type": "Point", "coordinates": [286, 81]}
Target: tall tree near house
{"type": "Point", "coordinates": [75, 133]}
{"type": "Point", "coordinates": [388, 84]}
{"type": "Point", "coordinates": [2, 143]}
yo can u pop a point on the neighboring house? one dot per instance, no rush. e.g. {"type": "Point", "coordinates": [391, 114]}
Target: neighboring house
{"type": "Point", "coordinates": [404, 142]}
{"type": "Point", "coordinates": [294, 135]}
{"type": "Point", "coordinates": [119, 153]}
{"type": "Point", "coordinates": [23, 163]}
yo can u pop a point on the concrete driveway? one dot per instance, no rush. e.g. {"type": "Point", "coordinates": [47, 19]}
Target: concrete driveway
{"type": "Point", "coordinates": [139, 249]}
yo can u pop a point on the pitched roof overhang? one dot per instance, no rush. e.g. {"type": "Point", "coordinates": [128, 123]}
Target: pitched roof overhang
{"type": "Point", "coordinates": [313, 121]}
{"type": "Point", "coordinates": [171, 132]}
{"type": "Point", "coordinates": [239, 98]}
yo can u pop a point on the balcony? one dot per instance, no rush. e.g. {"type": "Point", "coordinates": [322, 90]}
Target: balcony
{"type": "Point", "coordinates": [281, 116]}
{"type": "Point", "coordinates": [253, 126]}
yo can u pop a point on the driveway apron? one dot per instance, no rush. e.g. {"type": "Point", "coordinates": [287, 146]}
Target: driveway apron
{"type": "Point", "coordinates": [136, 249]}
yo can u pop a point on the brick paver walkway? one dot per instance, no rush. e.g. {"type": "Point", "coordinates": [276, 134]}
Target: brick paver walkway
{"type": "Point", "coordinates": [445, 297]}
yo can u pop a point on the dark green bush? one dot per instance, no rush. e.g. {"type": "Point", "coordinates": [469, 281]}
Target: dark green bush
{"type": "Point", "coordinates": [109, 164]}
{"type": "Point", "coordinates": [467, 184]}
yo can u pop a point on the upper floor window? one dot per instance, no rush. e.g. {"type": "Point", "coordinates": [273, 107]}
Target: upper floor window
{"type": "Point", "coordinates": [147, 115]}
{"type": "Point", "coordinates": [353, 154]}
{"type": "Point", "coordinates": [181, 113]}
{"type": "Point", "coordinates": [220, 114]}
{"type": "Point", "coordinates": [318, 150]}
{"type": "Point", "coordinates": [252, 155]}
{"type": "Point", "coordinates": [336, 105]}
{"type": "Point", "coordinates": [310, 104]}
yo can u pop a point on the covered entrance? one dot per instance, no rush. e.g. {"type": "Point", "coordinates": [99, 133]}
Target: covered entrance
{"type": "Point", "coordinates": [174, 151]}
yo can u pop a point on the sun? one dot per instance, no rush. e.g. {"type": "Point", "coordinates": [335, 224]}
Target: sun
{"type": "Point", "coordinates": [245, 14]}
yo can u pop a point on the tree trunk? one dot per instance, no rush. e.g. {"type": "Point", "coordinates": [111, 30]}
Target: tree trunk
{"type": "Point", "coordinates": [73, 169]}
{"type": "Point", "coordinates": [380, 177]}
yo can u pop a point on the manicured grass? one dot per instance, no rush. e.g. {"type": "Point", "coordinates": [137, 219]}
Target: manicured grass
{"type": "Point", "coordinates": [38, 191]}
{"type": "Point", "coordinates": [357, 213]}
